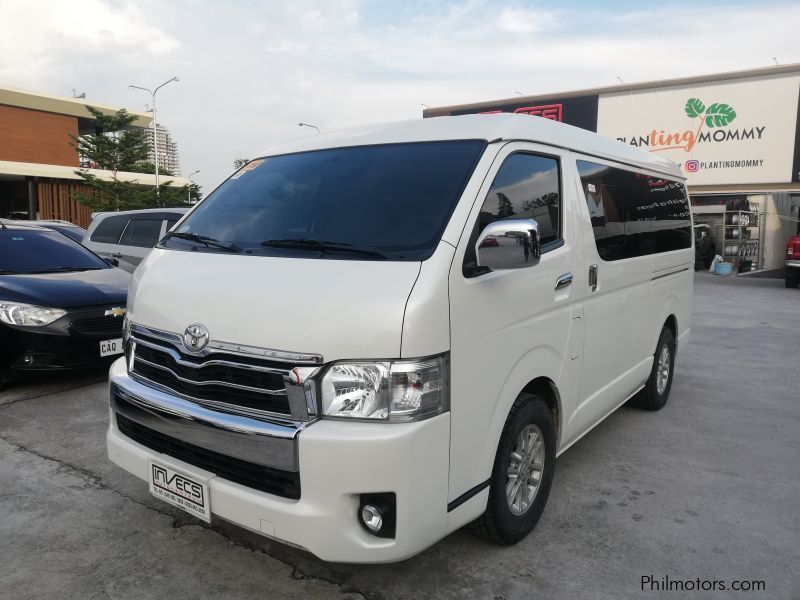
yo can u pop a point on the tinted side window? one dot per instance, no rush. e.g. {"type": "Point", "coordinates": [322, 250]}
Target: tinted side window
{"type": "Point", "coordinates": [171, 223]}
{"type": "Point", "coordinates": [141, 232]}
{"type": "Point", "coordinates": [634, 214]}
{"type": "Point", "coordinates": [109, 229]}
{"type": "Point", "coordinates": [527, 186]}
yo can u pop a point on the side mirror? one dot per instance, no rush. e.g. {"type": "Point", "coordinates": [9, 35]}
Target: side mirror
{"type": "Point", "coordinates": [509, 244]}
{"type": "Point", "coordinates": [112, 261]}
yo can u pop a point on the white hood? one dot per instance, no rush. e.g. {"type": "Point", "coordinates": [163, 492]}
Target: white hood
{"type": "Point", "coordinates": [337, 308]}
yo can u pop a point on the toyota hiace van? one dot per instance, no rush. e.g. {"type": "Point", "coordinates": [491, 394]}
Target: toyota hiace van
{"type": "Point", "coordinates": [365, 340]}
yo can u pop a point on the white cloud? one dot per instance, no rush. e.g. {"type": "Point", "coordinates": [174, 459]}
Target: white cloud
{"type": "Point", "coordinates": [518, 20]}
{"type": "Point", "coordinates": [250, 70]}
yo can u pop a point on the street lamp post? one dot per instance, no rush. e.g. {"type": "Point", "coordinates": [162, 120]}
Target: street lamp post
{"type": "Point", "coordinates": [308, 125]}
{"type": "Point", "coordinates": [189, 188]}
{"type": "Point", "coordinates": [155, 121]}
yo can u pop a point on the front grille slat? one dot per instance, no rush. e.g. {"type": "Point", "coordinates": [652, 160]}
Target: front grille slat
{"type": "Point", "coordinates": [108, 325]}
{"type": "Point", "coordinates": [246, 382]}
{"type": "Point", "coordinates": [266, 479]}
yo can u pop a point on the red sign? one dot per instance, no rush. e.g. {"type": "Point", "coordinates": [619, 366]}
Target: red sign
{"type": "Point", "coordinates": [554, 112]}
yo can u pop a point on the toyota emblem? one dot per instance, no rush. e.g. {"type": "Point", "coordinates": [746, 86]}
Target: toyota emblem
{"type": "Point", "coordinates": [195, 337]}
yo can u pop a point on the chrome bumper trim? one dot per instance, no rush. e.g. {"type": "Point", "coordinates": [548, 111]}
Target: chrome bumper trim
{"type": "Point", "coordinates": [267, 443]}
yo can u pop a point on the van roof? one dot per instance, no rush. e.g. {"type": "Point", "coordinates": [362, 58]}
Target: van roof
{"type": "Point", "coordinates": [494, 127]}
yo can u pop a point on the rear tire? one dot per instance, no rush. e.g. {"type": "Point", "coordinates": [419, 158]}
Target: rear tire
{"type": "Point", "coordinates": [527, 447]}
{"type": "Point", "coordinates": [792, 278]}
{"type": "Point", "coordinates": [656, 392]}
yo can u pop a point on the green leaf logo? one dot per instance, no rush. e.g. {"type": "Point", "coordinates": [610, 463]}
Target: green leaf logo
{"type": "Point", "coordinates": [719, 115]}
{"type": "Point", "coordinates": [694, 107]}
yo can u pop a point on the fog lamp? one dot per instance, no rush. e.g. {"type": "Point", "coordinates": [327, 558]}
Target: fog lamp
{"type": "Point", "coordinates": [376, 513]}
{"type": "Point", "coordinates": [371, 517]}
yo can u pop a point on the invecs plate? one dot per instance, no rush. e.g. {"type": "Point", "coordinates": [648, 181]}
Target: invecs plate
{"type": "Point", "coordinates": [184, 490]}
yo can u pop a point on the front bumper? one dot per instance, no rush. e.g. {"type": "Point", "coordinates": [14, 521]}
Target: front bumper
{"type": "Point", "coordinates": [337, 462]}
{"type": "Point", "coordinates": [71, 342]}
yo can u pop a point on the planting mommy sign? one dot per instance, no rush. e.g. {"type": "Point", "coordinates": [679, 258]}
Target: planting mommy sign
{"type": "Point", "coordinates": [720, 133]}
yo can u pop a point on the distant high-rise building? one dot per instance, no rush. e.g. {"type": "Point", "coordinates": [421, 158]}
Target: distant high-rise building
{"type": "Point", "coordinates": [168, 157]}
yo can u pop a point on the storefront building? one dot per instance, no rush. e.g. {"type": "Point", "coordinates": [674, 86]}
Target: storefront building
{"type": "Point", "coordinates": [37, 162]}
{"type": "Point", "coordinates": [736, 136]}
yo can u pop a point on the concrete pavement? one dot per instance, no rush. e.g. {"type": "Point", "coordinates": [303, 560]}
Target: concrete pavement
{"type": "Point", "coordinates": [706, 488]}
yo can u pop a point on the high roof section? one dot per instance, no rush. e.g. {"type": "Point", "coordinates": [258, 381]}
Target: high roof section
{"type": "Point", "coordinates": [63, 105]}
{"type": "Point", "coordinates": [496, 127]}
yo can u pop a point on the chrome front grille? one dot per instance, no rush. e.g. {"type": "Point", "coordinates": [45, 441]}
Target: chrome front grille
{"type": "Point", "coordinates": [223, 376]}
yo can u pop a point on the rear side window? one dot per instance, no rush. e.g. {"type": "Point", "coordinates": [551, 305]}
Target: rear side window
{"type": "Point", "coordinates": [141, 232]}
{"type": "Point", "coordinates": [634, 214]}
{"type": "Point", "coordinates": [109, 229]}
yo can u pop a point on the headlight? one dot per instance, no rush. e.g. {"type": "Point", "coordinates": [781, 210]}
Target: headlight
{"type": "Point", "coordinates": [394, 391]}
{"type": "Point", "coordinates": [28, 315]}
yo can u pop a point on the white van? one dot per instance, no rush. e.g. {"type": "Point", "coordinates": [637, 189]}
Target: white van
{"type": "Point", "coordinates": [366, 340]}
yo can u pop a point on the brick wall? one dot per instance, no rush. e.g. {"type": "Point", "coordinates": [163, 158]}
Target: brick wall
{"type": "Point", "coordinates": [37, 137]}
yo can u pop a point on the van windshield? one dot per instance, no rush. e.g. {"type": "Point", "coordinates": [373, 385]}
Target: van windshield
{"type": "Point", "coordinates": [386, 202]}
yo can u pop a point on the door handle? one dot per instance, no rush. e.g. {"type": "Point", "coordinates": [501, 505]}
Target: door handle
{"type": "Point", "coordinates": [564, 281]}
{"type": "Point", "coordinates": [593, 278]}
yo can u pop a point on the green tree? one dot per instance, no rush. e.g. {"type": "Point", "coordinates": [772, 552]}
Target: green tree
{"type": "Point", "coordinates": [148, 167]}
{"type": "Point", "coordinates": [118, 147]}
{"type": "Point", "coordinates": [504, 206]}
{"type": "Point", "coordinates": [238, 163]}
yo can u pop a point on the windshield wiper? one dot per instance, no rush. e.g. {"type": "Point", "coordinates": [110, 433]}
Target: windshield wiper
{"type": "Point", "coordinates": [203, 239]}
{"type": "Point", "coordinates": [323, 246]}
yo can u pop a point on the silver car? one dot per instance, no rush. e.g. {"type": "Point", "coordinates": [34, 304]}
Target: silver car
{"type": "Point", "coordinates": [129, 235]}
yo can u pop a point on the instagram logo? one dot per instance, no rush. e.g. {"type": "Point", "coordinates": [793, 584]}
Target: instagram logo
{"type": "Point", "coordinates": [692, 166]}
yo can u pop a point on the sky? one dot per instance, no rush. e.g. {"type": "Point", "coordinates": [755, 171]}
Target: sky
{"type": "Point", "coordinates": [251, 70]}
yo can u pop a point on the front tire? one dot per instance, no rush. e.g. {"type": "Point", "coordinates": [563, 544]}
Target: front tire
{"type": "Point", "coordinates": [522, 475]}
{"type": "Point", "coordinates": [656, 392]}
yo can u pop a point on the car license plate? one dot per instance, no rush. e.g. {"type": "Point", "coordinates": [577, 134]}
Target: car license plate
{"type": "Point", "coordinates": [184, 490]}
{"type": "Point", "coordinates": [111, 347]}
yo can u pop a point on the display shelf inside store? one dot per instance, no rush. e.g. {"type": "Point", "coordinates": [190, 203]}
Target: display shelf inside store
{"type": "Point", "coordinates": [743, 250]}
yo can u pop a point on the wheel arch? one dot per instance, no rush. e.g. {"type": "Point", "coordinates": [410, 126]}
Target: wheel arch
{"type": "Point", "coordinates": [667, 317]}
{"type": "Point", "coordinates": [545, 364]}
{"type": "Point", "coordinates": [546, 389]}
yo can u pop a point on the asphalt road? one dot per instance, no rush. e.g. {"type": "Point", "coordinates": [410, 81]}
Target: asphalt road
{"type": "Point", "coordinates": [707, 488]}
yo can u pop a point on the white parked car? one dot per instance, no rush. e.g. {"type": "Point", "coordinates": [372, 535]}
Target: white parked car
{"type": "Point", "coordinates": [327, 351]}
{"type": "Point", "coordinates": [129, 235]}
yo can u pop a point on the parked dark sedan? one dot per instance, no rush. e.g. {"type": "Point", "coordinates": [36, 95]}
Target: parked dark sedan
{"type": "Point", "coordinates": [61, 306]}
{"type": "Point", "coordinates": [69, 229]}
